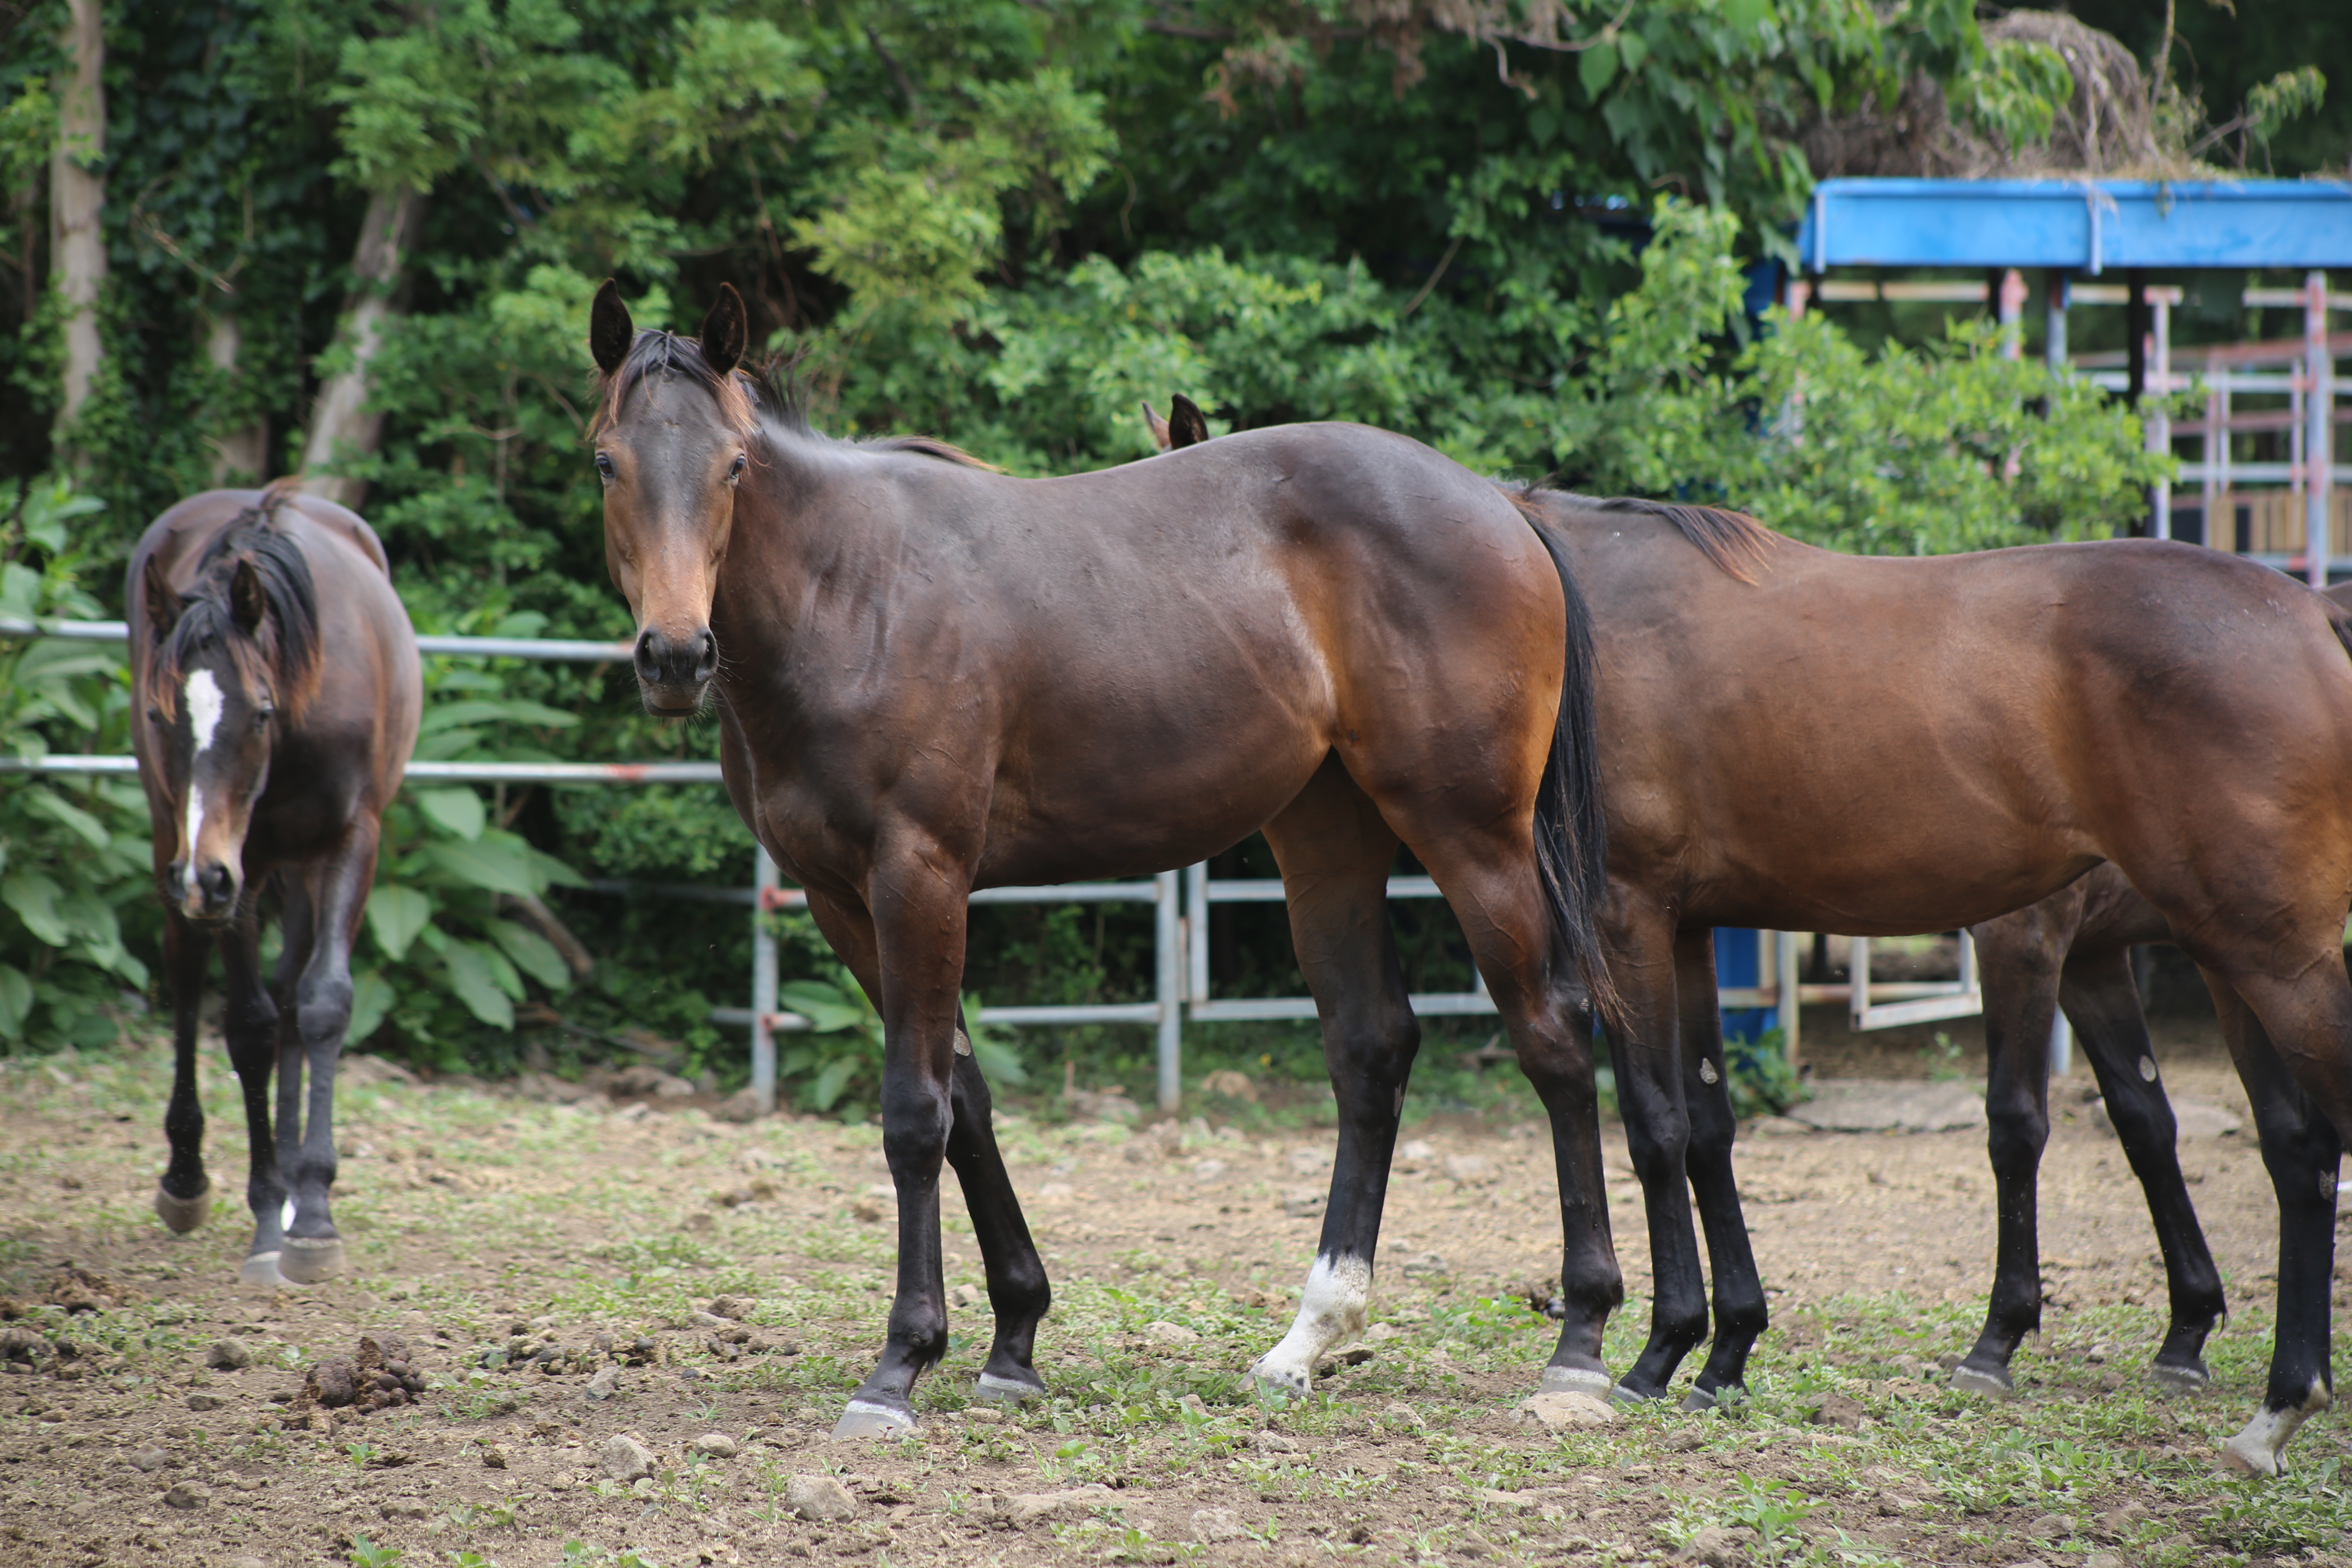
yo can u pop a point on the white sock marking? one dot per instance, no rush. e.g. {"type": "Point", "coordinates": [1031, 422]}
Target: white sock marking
{"type": "Point", "coordinates": [1331, 1312]}
{"type": "Point", "coordinates": [2260, 1450]}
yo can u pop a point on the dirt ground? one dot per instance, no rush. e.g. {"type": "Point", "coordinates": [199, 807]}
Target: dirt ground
{"type": "Point", "coordinates": [570, 1246]}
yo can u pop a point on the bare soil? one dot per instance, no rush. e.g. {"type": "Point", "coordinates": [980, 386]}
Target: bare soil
{"type": "Point", "coordinates": [483, 1225]}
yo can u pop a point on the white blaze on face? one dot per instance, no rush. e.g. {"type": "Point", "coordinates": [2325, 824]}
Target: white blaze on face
{"type": "Point", "coordinates": [203, 696]}
{"type": "Point", "coordinates": [1330, 1314]}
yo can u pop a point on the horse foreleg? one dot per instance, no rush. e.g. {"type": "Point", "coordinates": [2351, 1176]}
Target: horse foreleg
{"type": "Point", "coordinates": [331, 907]}
{"type": "Point", "coordinates": [1018, 1293]}
{"type": "Point", "coordinates": [1740, 1314]}
{"type": "Point", "coordinates": [916, 925]}
{"type": "Point", "coordinates": [2301, 1153]}
{"type": "Point", "coordinates": [1334, 853]}
{"type": "Point", "coordinates": [2103, 1003]}
{"type": "Point", "coordinates": [249, 1020]}
{"type": "Point", "coordinates": [182, 1194]}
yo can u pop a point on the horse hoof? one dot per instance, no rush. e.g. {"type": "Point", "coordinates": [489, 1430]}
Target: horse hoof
{"type": "Point", "coordinates": [1588, 1381]}
{"type": "Point", "coordinates": [998, 1390]}
{"type": "Point", "coordinates": [309, 1259]}
{"type": "Point", "coordinates": [260, 1271]}
{"type": "Point", "coordinates": [1286, 1381]}
{"type": "Point", "coordinates": [1625, 1393]}
{"type": "Point", "coordinates": [2173, 1378]}
{"type": "Point", "coordinates": [1994, 1385]}
{"type": "Point", "coordinates": [866, 1419]}
{"type": "Point", "coordinates": [2248, 1454]}
{"type": "Point", "coordinates": [1723, 1398]}
{"type": "Point", "coordinates": [184, 1215]}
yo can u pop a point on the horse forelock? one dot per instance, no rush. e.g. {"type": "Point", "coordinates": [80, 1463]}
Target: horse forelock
{"type": "Point", "coordinates": [736, 394]}
{"type": "Point", "coordinates": [284, 652]}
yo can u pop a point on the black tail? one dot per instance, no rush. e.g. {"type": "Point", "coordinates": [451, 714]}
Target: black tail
{"type": "Point", "coordinates": [1571, 830]}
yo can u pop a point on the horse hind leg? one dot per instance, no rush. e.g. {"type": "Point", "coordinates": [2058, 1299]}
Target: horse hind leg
{"type": "Point", "coordinates": [2103, 1003]}
{"type": "Point", "coordinates": [1490, 880]}
{"type": "Point", "coordinates": [1741, 1315]}
{"type": "Point", "coordinates": [2301, 1150]}
{"type": "Point", "coordinates": [1335, 852]}
{"type": "Point", "coordinates": [2020, 957]}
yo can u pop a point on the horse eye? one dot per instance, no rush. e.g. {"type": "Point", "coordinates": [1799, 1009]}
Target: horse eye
{"type": "Point", "coordinates": [155, 716]}
{"type": "Point", "coordinates": [263, 715]}
{"type": "Point", "coordinates": [604, 466]}
{"type": "Point", "coordinates": [741, 462]}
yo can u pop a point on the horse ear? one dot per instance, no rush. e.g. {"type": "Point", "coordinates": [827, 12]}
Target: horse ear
{"type": "Point", "coordinates": [726, 331]}
{"type": "Point", "coordinates": [611, 332]}
{"type": "Point", "coordinates": [246, 600]}
{"type": "Point", "coordinates": [1157, 425]}
{"type": "Point", "coordinates": [1186, 427]}
{"type": "Point", "coordinates": [162, 600]}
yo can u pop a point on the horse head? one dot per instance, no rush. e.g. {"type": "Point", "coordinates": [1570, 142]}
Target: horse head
{"type": "Point", "coordinates": [673, 440]}
{"type": "Point", "coordinates": [240, 645]}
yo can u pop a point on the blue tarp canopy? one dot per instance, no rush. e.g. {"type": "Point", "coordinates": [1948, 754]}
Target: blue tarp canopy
{"type": "Point", "coordinates": [2086, 226]}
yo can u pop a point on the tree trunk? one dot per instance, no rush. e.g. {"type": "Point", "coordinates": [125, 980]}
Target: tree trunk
{"type": "Point", "coordinates": [76, 201]}
{"type": "Point", "coordinates": [242, 455]}
{"type": "Point", "coordinates": [342, 426]}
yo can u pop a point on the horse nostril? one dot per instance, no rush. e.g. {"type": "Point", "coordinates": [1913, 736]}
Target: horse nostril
{"type": "Point", "coordinates": [215, 882]}
{"type": "Point", "coordinates": [648, 661]}
{"type": "Point", "coordinates": [707, 659]}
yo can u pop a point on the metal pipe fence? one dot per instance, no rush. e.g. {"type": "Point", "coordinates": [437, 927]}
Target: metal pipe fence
{"type": "Point", "coordinates": [1181, 901]}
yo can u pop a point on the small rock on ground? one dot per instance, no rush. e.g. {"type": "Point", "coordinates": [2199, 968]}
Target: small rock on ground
{"type": "Point", "coordinates": [1716, 1547]}
{"type": "Point", "coordinates": [819, 1497]}
{"type": "Point", "coordinates": [202, 1401]}
{"type": "Point", "coordinates": [1564, 1412]}
{"type": "Point", "coordinates": [150, 1460]}
{"type": "Point", "coordinates": [1035, 1508]}
{"type": "Point", "coordinates": [1216, 1524]}
{"type": "Point", "coordinates": [1837, 1410]}
{"type": "Point", "coordinates": [229, 1355]}
{"type": "Point", "coordinates": [188, 1494]}
{"type": "Point", "coordinates": [406, 1508]}
{"type": "Point", "coordinates": [624, 1459]}
{"type": "Point", "coordinates": [718, 1445]}
{"type": "Point", "coordinates": [605, 1383]}
{"type": "Point", "coordinates": [1171, 1333]}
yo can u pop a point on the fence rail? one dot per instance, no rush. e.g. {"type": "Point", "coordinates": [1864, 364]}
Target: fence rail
{"type": "Point", "coordinates": [1182, 902]}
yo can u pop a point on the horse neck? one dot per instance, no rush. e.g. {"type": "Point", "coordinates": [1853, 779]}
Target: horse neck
{"type": "Point", "coordinates": [776, 555]}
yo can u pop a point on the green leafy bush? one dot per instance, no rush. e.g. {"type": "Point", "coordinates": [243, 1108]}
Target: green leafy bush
{"type": "Point", "coordinates": [76, 896]}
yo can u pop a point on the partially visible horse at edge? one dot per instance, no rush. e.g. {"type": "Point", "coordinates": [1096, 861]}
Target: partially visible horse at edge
{"type": "Point", "coordinates": [929, 678]}
{"type": "Point", "coordinates": [277, 694]}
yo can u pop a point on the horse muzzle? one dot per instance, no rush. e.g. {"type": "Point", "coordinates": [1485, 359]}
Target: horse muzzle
{"type": "Point", "coordinates": [206, 894]}
{"type": "Point", "coordinates": [673, 673]}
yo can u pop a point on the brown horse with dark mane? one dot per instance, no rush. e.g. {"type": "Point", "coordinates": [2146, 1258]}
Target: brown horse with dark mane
{"type": "Point", "coordinates": [280, 693]}
{"type": "Point", "coordinates": [1983, 729]}
{"type": "Point", "coordinates": [930, 678]}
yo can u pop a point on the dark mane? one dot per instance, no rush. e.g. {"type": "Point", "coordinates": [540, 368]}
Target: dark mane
{"type": "Point", "coordinates": [774, 392]}
{"type": "Point", "coordinates": [1736, 543]}
{"type": "Point", "coordinates": [284, 651]}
